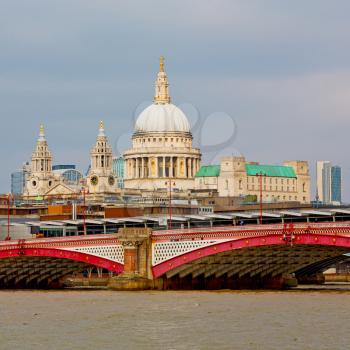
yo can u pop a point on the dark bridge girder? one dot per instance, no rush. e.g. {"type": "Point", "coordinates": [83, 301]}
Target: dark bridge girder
{"type": "Point", "coordinates": [256, 264]}
{"type": "Point", "coordinates": [34, 272]}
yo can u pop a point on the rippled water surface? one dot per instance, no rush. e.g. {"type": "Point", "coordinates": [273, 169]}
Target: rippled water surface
{"type": "Point", "coordinates": [174, 320]}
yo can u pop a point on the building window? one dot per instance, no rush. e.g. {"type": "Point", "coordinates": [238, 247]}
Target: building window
{"type": "Point", "coordinates": [304, 187]}
{"type": "Point", "coordinates": [240, 184]}
{"type": "Point", "coordinates": [226, 184]}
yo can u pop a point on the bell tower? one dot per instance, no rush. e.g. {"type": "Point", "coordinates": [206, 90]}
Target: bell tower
{"type": "Point", "coordinates": [101, 177]}
{"type": "Point", "coordinates": [41, 178]}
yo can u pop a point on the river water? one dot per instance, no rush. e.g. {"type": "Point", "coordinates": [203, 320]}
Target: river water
{"type": "Point", "coordinates": [83, 319]}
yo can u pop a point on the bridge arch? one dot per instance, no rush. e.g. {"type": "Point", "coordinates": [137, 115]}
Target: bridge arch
{"type": "Point", "coordinates": [86, 258]}
{"type": "Point", "coordinates": [308, 248]}
{"type": "Point", "coordinates": [43, 267]}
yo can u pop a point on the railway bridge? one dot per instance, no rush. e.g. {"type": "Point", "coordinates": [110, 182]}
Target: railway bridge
{"type": "Point", "coordinates": [252, 256]}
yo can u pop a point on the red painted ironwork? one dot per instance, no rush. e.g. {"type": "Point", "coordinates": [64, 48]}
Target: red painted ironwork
{"type": "Point", "coordinates": [245, 242]}
{"type": "Point", "coordinates": [56, 248]}
{"type": "Point", "coordinates": [62, 254]}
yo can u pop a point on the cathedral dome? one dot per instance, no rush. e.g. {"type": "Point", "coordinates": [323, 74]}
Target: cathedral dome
{"type": "Point", "coordinates": [162, 118]}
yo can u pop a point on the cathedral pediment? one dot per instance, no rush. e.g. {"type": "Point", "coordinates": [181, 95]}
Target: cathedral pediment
{"type": "Point", "coordinates": [60, 189]}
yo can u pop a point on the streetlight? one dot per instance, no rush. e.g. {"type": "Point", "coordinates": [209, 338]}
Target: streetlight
{"type": "Point", "coordinates": [170, 183]}
{"type": "Point", "coordinates": [83, 190]}
{"type": "Point", "coordinates": [8, 198]}
{"type": "Point", "coordinates": [260, 178]}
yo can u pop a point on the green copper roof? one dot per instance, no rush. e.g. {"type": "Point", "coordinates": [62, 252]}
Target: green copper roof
{"type": "Point", "coordinates": [270, 170]}
{"type": "Point", "coordinates": [208, 170]}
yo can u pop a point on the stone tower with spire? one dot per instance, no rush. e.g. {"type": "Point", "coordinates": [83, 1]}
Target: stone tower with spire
{"type": "Point", "coordinates": [101, 178]}
{"type": "Point", "coordinates": [41, 178]}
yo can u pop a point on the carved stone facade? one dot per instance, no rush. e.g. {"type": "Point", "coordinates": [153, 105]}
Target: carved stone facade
{"type": "Point", "coordinates": [235, 177]}
{"type": "Point", "coordinates": [161, 145]}
{"type": "Point", "coordinates": [101, 178]}
{"type": "Point", "coordinates": [41, 178]}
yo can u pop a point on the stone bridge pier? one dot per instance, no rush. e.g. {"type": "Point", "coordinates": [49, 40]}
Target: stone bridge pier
{"type": "Point", "coordinates": [137, 274]}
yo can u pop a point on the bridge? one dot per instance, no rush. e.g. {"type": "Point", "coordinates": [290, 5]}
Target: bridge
{"type": "Point", "coordinates": [251, 256]}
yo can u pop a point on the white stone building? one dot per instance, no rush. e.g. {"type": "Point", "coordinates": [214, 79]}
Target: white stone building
{"type": "Point", "coordinates": [235, 177]}
{"type": "Point", "coordinates": [101, 179]}
{"type": "Point", "coordinates": [161, 145]}
{"type": "Point", "coordinates": [41, 178]}
{"type": "Point", "coordinates": [42, 182]}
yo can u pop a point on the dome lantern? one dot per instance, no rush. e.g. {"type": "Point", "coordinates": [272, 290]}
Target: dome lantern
{"type": "Point", "coordinates": [162, 85]}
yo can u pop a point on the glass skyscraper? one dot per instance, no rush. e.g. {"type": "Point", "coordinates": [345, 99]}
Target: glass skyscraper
{"type": "Point", "coordinates": [336, 184]}
{"type": "Point", "coordinates": [18, 179]}
{"type": "Point", "coordinates": [328, 182]}
{"type": "Point", "coordinates": [118, 169]}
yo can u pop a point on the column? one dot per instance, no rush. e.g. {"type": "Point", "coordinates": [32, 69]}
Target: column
{"type": "Point", "coordinates": [156, 173]}
{"type": "Point", "coordinates": [143, 167]}
{"type": "Point", "coordinates": [164, 166]}
{"type": "Point", "coordinates": [137, 168]}
{"type": "Point", "coordinates": [171, 167]}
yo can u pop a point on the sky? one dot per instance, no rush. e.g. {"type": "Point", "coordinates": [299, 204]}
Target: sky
{"type": "Point", "coordinates": [267, 79]}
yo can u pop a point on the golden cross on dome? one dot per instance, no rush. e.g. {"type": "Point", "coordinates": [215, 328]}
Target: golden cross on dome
{"type": "Point", "coordinates": [102, 124]}
{"type": "Point", "coordinates": [42, 129]}
{"type": "Point", "coordinates": [161, 64]}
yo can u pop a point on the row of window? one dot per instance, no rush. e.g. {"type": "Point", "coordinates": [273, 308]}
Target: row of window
{"type": "Point", "coordinates": [256, 179]}
{"type": "Point", "coordinates": [276, 188]}
{"type": "Point", "coordinates": [166, 139]}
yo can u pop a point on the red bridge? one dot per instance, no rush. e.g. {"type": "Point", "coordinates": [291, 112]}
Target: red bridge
{"type": "Point", "coordinates": [221, 257]}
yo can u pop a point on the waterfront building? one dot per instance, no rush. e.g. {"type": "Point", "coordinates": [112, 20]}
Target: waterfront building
{"type": "Point", "coordinates": [328, 188]}
{"type": "Point", "coordinates": [235, 177]}
{"type": "Point", "coordinates": [101, 178]}
{"type": "Point", "coordinates": [161, 145]}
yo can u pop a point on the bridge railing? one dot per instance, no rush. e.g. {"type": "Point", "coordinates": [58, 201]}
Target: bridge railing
{"type": "Point", "coordinates": [226, 232]}
{"type": "Point", "coordinates": [60, 241]}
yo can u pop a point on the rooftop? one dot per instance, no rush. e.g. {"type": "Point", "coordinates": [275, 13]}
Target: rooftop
{"type": "Point", "coordinates": [208, 171]}
{"type": "Point", "coordinates": [270, 170]}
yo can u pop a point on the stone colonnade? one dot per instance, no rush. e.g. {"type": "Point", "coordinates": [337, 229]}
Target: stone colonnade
{"type": "Point", "coordinates": [161, 167]}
